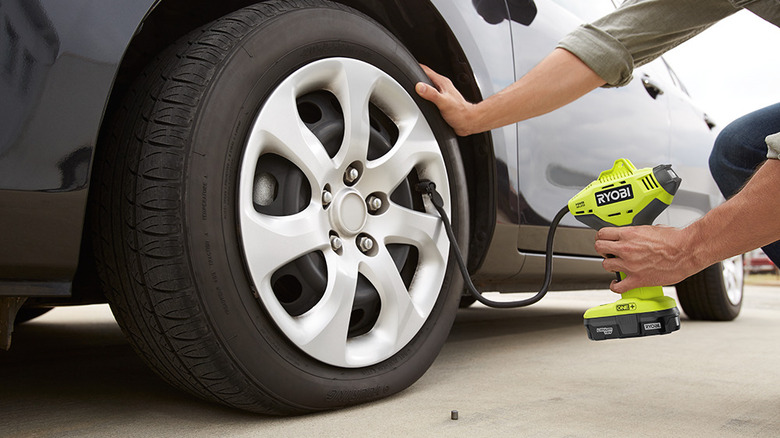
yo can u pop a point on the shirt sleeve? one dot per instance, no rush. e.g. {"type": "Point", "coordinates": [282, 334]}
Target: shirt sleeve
{"type": "Point", "coordinates": [640, 31]}
{"type": "Point", "coordinates": [773, 143]}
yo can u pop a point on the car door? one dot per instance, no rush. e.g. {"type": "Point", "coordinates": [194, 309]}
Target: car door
{"type": "Point", "coordinates": [692, 134]}
{"type": "Point", "coordinates": [561, 152]}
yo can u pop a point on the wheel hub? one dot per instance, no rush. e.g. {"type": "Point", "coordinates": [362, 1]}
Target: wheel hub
{"type": "Point", "coordinates": [348, 212]}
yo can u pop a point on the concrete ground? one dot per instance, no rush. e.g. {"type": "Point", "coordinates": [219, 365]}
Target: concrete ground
{"type": "Point", "coordinates": [524, 372]}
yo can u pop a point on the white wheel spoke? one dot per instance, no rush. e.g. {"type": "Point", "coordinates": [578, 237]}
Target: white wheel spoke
{"type": "Point", "coordinates": [353, 88]}
{"type": "Point", "coordinates": [282, 132]}
{"type": "Point", "coordinates": [405, 226]}
{"type": "Point", "coordinates": [324, 328]}
{"type": "Point", "coordinates": [271, 242]}
{"type": "Point", "coordinates": [416, 147]}
{"type": "Point", "coordinates": [398, 310]}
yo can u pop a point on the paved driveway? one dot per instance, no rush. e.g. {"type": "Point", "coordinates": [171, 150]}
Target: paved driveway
{"type": "Point", "coordinates": [524, 372]}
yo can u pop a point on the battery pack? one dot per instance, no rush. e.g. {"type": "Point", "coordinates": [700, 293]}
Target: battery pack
{"type": "Point", "coordinates": [633, 325]}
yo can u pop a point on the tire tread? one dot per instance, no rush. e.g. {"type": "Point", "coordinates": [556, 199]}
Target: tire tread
{"type": "Point", "coordinates": [703, 297]}
{"type": "Point", "coordinates": [137, 220]}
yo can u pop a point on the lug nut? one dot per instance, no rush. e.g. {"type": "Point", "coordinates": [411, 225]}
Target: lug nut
{"type": "Point", "coordinates": [365, 243]}
{"type": "Point", "coordinates": [374, 203]}
{"type": "Point", "coordinates": [327, 197]}
{"type": "Point", "coordinates": [336, 243]}
{"type": "Point", "coordinates": [351, 175]}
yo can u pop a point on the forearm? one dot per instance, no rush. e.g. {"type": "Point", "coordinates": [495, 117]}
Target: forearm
{"type": "Point", "coordinates": [556, 81]}
{"type": "Point", "coordinates": [749, 220]}
{"type": "Point", "coordinates": [591, 57]}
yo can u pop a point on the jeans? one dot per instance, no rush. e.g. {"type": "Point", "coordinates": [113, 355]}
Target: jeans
{"type": "Point", "coordinates": [738, 151]}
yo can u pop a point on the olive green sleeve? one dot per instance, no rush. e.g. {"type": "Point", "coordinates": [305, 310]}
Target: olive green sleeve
{"type": "Point", "coordinates": [640, 31]}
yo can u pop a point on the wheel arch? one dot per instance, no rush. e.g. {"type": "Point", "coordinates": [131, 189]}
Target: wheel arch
{"type": "Point", "coordinates": [416, 23]}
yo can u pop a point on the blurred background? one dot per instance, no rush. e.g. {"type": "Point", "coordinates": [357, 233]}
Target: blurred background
{"type": "Point", "coordinates": [732, 68]}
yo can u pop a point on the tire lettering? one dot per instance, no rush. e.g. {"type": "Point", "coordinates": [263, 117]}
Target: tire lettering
{"type": "Point", "coordinates": [203, 201]}
{"type": "Point", "coordinates": [356, 395]}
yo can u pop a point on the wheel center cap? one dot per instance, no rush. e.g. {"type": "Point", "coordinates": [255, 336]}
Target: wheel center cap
{"type": "Point", "coordinates": [349, 212]}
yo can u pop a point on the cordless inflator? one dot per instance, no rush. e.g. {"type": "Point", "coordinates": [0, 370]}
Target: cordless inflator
{"type": "Point", "coordinates": [621, 196]}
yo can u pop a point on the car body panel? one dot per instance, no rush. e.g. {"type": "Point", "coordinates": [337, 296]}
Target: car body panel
{"type": "Point", "coordinates": [59, 62]}
{"type": "Point", "coordinates": [539, 167]}
{"type": "Point", "coordinates": [473, 22]}
{"type": "Point", "coordinates": [609, 123]}
{"type": "Point", "coordinates": [59, 69]}
{"type": "Point", "coordinates": [694, 133]}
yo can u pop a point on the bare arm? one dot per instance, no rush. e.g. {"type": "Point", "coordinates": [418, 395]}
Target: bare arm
{"type": "Point", "coordinates": [653, 256]}
{"type": "Point", "coordinates": [556, 81]}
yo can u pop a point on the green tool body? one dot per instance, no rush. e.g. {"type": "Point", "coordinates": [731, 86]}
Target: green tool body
{"type": "Point", "coordinates": [622, 196]}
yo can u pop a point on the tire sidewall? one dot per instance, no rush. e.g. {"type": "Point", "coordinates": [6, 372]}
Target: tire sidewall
{"type": "Point", "coordinates": [730, 310]}
{"type": "Point", "coordinates": [267, 55]}
{"type": "Point", "coordinates": [704, 296]}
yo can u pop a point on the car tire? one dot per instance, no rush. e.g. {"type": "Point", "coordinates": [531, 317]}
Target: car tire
{"type": "Point", "coordinates": [238, 187]}
{"type": "Point", "coordinates": [466, 301]}
{"type": "Point", "coordinates": [714, 294]}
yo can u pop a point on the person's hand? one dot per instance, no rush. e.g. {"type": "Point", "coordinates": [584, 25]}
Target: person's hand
{"type": "Point", "coordinates": [648, 255]}
{"type": "Point", "coordinates": [455, 110]}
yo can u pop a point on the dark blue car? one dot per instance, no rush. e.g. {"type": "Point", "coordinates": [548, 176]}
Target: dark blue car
{"type": "Point", "coordinates": [236, 179]}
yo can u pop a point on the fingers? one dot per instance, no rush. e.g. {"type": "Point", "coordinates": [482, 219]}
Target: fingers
{"type": "Point", "coordinates": [647, 255]}
{"type": "Point", "coordinates": [606, 241]}
{"type": "Point", "coordinates": [428, 71]}
{"type": "Point", "coordinates": [441, 82]}
{"type": "Point", "coordinates": [622, 286]}
{"type": "Point", "coordinates": [455, 110]}
{"type": "Point", "coordinates": [608, 246]}
{"type": "Point", "coordinates": [608, 233]}
{"type": "Point", "coordinates": [613, 264]}
{"type": "Point", "coordinates": [427, 92]}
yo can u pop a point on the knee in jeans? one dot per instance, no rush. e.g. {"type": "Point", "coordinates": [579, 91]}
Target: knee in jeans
{"type": "Point", "coordinates": [718, 155]}
{"type": "Point", "coordinates": [733, 147]}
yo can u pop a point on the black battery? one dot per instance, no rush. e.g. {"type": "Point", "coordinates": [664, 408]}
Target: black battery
{"type": "Point", "coordinates": [633, 325]}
